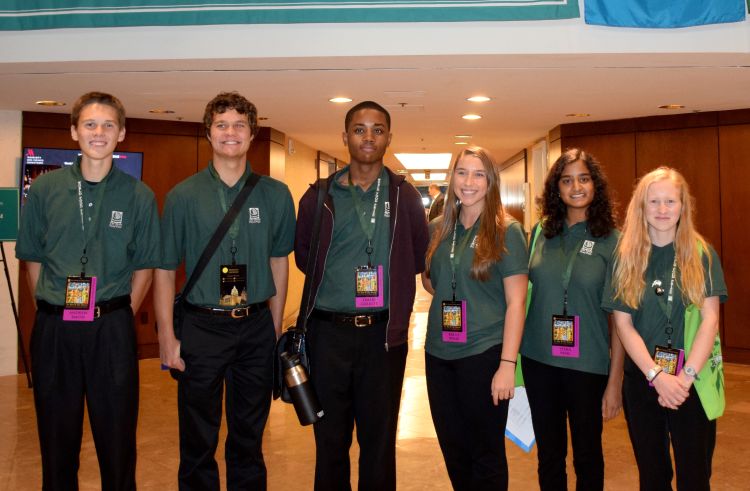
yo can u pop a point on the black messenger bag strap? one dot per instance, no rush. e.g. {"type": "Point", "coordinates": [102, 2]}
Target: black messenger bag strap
{"type": "Point", "coordinates": [220, 232]}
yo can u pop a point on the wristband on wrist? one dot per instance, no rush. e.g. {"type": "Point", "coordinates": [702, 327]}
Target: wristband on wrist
{"type": "Point", "coordinates": [507, 361]}
{"type": "Point", "coordinates": [653, 372]}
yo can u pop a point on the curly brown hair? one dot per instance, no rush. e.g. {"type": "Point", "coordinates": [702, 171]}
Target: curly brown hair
{"type": "Point", "coordinates": [600, 213]}
{"type": "Point", "coordinates": [231, 100]}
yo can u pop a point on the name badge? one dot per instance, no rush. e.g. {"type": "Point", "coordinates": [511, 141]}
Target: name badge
{"type": "Point", "coordinates": [669, 359]}
{"type": "Point", "coordinates": [232, 284]}
{"type": "Point", "coordinates": [80, 298]}
{"type": "Point", "coordinates": [368, 291]}
{"type": "Point", "coordinates": [454, 321]}
{"type": "Point", "coordinates": [565, 331]}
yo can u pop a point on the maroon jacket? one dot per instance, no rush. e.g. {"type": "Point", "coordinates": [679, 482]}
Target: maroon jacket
{"type": "Point", "coordinates": [409, 239]}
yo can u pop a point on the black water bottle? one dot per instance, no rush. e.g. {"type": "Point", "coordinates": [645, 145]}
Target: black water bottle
{"type": "Point", "coordinates": [301, 391]}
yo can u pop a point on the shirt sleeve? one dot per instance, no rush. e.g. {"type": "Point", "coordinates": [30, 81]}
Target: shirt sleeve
{"type": "Point", "coordinates": [172, 233]}
{"type": "Point", "coordinates": [30, 241]}
{"type": "Point", "coordinates": [283, 233]}
{"type": "Point", "coordinates": [147, 233]}
{"type": "Point", "coordinates": [715, 284]}
{"type": "Point", "coordinates": [515, 259]}
{"type": "Point", "coordinates": [609, 303]}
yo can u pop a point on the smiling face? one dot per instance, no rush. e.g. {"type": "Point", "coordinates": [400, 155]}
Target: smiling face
{"type": "Point", "coordinates": [98, 131]}
{"type": "Point", "coordinates": [230, 135]}
{"type": "Point", "coordinates": [576, 186]}
{"type": "Point", "coordinates": [367, 137]}
{"type": "Point", "coordinates": [470, 182]}
{"type": "Point", "coordinates": [663, 210]}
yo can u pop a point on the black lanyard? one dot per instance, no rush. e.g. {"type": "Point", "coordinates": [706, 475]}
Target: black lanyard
{"type": "Point", "coordinates": [234, 228]}
{"type": "Point", "coordinates": [95, 222]}
{"type": "Point", "coordinates": [667, 309]}
{"type": "Point", "coordinates": [368, 226]}
{"type": "Point", "coordinates": [455, 256]}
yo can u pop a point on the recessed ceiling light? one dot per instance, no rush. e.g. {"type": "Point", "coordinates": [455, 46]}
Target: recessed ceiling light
{"type": "Point", "coordinates": [479, 98]}
{"type": "Point", "coordinates": [672, 106]}
{"type": "Point", "coordinates": [49, 103]}
{"type": "Point", "coordinates": [340, 100]}
{"type": "Point", "coordinates": [403, 172]}
{"type": "Point", "coordinates": [462, 136]}
{"type": "Point", "coordinates": [434, 176]}
{"type": "Point", "coordinates": [461, 143]}
{"type": "Point", "coordinates": [577, 115]}
{"type": "Point", "coordinates": [471, 116]}
{"type": "Point", "coordinates": [161, 111]}
{"type": "Point", "coordinates": [424, 160]}
{"type": "Point", "coordinates": [262, 118]}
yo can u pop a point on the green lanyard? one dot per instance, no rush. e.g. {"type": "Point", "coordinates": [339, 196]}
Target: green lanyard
{"type": "Point", "coordinates": [368, 226]}
{"type": "Point", "coordinates": [455, 256]}
{"type": "Point", "coordinates": [667, 309]}
{"type": "Point", "coordinates": [571, 259]}
{"type": "Point", "coordinates": [87, 235]}
{"type": "Point", "coordinates": [234, 228]}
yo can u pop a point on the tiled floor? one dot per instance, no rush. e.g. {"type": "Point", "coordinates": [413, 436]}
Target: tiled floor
{"type": "Point", "coordinates": [289, 448]}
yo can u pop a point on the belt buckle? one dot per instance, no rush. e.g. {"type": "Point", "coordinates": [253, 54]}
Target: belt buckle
{"type": "Point", "coordinates": [97, 312]}
{"type": "Point", "coordinates": [362, 320]}
{"type": "Point", "coordinates": [240, 312]}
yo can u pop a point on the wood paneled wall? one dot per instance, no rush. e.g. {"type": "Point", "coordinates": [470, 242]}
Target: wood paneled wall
{"type": "Point", "coordinates": [172, 151]}
{"type": "Point", "coordinates": [711, 151]}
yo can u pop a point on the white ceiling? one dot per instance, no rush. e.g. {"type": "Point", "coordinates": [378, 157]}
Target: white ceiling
{"type": "Point", "coordinates": [531, 93]}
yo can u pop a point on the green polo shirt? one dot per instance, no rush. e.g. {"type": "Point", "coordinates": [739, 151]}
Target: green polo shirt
{"type": "Point", "coordinates": [349, 242]}
{"type": "Point", "coordinates": [264, 229]}
{"type": "Point", "coordinates": [649, 319]}
{"type": "Point", "coordinates": [120, 219]}
{"type": "Point", "coordinates": [485, 306]}
{"type": "Point", "coordinates": [549, 261]}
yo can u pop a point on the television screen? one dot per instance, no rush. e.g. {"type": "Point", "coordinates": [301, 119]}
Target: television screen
{"type": "Point", "coordinates": [38, 161]}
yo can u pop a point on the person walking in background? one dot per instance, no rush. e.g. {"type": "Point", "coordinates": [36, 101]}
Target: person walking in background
{"type": "Point", "coordinates": [664, 293]}
{"type": "Point", "coordinates": [477, 273]}
{"type": "Point", "coordinates": [571, 362]}
{"type": "Point", "coordinates": [438, 202]}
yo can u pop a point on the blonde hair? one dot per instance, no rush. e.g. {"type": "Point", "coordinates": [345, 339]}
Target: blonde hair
{"type": "Point", "coordinates": [491, 235]}
{"type": "Point", "coordinates": [634, 247]}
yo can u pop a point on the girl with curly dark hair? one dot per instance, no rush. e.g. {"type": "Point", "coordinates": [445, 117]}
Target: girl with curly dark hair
{"type": "Point", "coordinates": [569, 372]}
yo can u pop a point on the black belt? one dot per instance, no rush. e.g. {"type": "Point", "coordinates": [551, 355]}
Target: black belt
{"type": "Point", "coordinates": [235, 313]}
{"type": "Point", "coordinates": [101, 308]}
{"type": "Point", "coordinates": [356, 320]}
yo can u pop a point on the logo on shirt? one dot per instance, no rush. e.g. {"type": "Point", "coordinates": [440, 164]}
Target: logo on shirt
{"type": "Point", "coordinates": [254, 215]}
{"type": "Point", "coordinates": [116, 220]}
{"type": "Point", "coordinates": [473, 244]}
{"type": "Point", "coordinates": [587, 247]}
{"type": "Point", "coordinates": [387, 212]}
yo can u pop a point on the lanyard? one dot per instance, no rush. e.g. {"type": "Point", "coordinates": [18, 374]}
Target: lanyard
{"type": "Point", "coordinates": [368, 227]}
{"type": "Point", "coordinates": [455, 258]}
{"type": "Point", "coordinates": [87, 235]}
{"type": "Point", "coordinates": [234, 228]}
{"type": "Point", "coordinates": [667, 309]}
{"type": "Point", "coordinates": [568, 270]}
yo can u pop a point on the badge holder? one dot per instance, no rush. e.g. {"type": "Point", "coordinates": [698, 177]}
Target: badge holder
{"type": "Point", "coordinates": [233, 282]}
{"type": "Point", "coordinates": [565, 331]}
{"type": "Point", "coordinates": [368, 291]}
{"type": "Point", "coordinates": [454, 321]}
{"type": "Point", "coordinates": [668, 358]}
{"type": "Point", "coordinates": [80, 296]}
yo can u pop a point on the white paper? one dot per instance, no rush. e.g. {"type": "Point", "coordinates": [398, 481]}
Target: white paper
{"type": "Point", "coordinates": [519, 428]}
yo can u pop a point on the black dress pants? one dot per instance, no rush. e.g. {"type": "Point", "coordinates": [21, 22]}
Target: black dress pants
{"type": "Point", "coordinates": [558, 396]}
{"type": "Point", "coordinates": [95, 362]}
{"type": "Point", "coordinates": [238, 354]}
{"type": "Point", "coordinates": [469, 427]}
{"type": "Point", "coordinates": [651, 429]}
{"type": "Point", "coordinates": [357, 381]}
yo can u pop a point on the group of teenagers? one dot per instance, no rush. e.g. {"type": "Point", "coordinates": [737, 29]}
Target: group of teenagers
{"type": "Point", "coordinates": [505, 307]}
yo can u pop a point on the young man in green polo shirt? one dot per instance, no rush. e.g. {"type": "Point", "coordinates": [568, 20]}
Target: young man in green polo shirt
{"type": "Point", "coordinates": [90, 236]}
{"type": "Point", "coordinates": [232, 320]}
{"type": "Point", "coordinates": [373, 239]}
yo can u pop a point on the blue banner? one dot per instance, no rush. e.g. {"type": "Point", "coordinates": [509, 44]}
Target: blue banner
{"type": "Point", "coordinates": [55, 14]}
{"type": "Point", "coordinates": [663, 13]}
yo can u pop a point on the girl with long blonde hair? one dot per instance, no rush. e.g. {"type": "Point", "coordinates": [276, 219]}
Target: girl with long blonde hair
{"type": "Point", "coordinates": [476, 270]}
{"type": "Point", "coordinates": [663, 266]}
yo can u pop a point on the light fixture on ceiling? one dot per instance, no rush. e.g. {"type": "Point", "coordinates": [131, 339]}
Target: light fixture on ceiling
{"type": "Point", "coordinates": [428, 176]}
{"type": "Point", "coordinates": [262, 118]}
{"type": "Point", "coordinates": [49, 103]}
{"type": "Point", "coordinates": [478, 98]}
{"type": "Point", "coordinates": [577, 115]}
{"type": "Point", "coordinates": [424, 160]}
{"type": "Point", "coordinates": [161, 111]}
{"type": "Point", "coordinates": [402, 172]}
{"type": "Point", "coordinates": [672, 106]}
{"type": "Point", "coordinates": [460, 143]}
{"type": "Point", "coordinates": [471, 117]}
{"type": "Point", "coordinates": [339, 100]}
{"type": "Point", "coordinates": [462, 136]}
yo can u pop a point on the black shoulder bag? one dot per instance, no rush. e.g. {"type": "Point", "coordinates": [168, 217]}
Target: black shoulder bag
{"type": "Point", "coordinates": [292, 359]}
{"type": "Point", "coordinates": [180, 299]}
